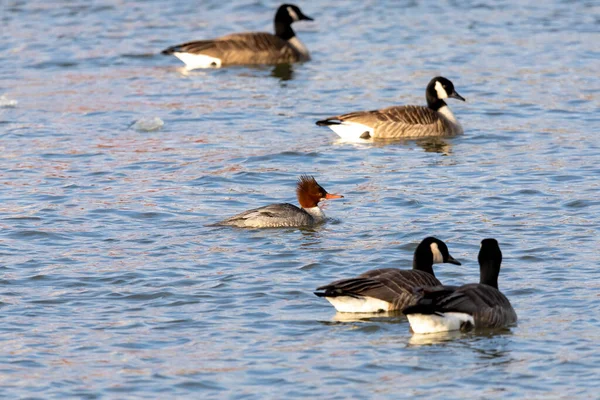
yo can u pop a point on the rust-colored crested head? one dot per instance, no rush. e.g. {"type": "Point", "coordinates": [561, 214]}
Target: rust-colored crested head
{"type": "Point", "coordinates": [310, 193]}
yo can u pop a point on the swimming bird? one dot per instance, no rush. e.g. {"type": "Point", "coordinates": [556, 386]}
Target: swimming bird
{"type": "Point", "coordinates": [309, 194]}
{"type": "Point", "coordinates": [471, 306]}
{"type": "Point", "coordinates": [400, 122]}
{"type": "Point", "coordinates": [388, 289]}
{"type": "Point", "coordinates": [248, 47]}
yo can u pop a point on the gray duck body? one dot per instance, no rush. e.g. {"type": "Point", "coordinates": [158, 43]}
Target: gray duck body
{"type": "Point", "coordinates": [273, 216]}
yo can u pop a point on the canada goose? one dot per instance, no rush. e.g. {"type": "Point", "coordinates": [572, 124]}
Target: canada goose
{"type": "Point", "coordinates": [388, 289]}
{"type": "Point", "coordinates": [249, 47]}
{"type": "Point", "coordinates": [402, 121]}
{"type": "Point", "coordinates": [471, 306]}
{"type": "Point", "coordinates": [309, 194]}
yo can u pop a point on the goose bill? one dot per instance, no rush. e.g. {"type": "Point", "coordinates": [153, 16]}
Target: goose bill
{"type": "Point", "coordinates": [452, 260]}
{"type": "Point", "coordinates": [455, 95]}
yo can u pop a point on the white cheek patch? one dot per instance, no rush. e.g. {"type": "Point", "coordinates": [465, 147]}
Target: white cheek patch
{"type": "Point", "coordinates": [437, 254]}
{"type": "Point", "coordinates": [441, 92]}
{"type": "Point", "coordinates": [293, 14]}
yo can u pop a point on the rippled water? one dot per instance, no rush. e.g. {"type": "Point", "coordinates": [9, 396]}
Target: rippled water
{"type": "Point", "coordinates": [112, 285]}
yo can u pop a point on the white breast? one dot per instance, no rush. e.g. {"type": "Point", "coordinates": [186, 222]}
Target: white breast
{"type": "Point", "coordinates": [300, 48]}
{"type": "Point", "coordinates": [447, 113]}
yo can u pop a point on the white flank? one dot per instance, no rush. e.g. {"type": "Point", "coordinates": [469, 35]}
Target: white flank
{"type": "Point", "coordinates": [433, 323]}
{"type": "Point", "coordinates": [358, 305]}
{"type": "Point", "coordinates": [437, 254]}
{"type": "Point", "coordinates": [300, 48]}
{"type": "Point", "coordinates": [351, 131]}
{"type": "Point", "coordinates": [193, 61]}
{"type": "Point", "coordinates": [441, 92]}
{"type": "Point", "coordinates": [316, 212]}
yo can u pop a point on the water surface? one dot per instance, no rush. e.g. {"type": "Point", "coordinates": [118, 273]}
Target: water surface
{"type": "Point", "coordinates": [112, 285]}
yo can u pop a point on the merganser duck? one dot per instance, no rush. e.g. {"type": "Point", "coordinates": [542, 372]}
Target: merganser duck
{"type": "Point", "coordinates": [249, 47]}
{"type": "Point", "coordinates": [472, 306]}
{"type": "Point", "coordinates": [399, 122]}
{"type": "Point", "coordinates": [388, 289]}
{"type": "Point", "coordinates": [309, 193]}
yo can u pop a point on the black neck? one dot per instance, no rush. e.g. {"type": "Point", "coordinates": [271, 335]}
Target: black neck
{"type": "Point", "coordinates": [488, 273]}
{"type": "Point", "coordinates": [423, 261]}
{"type": "Point", "coordinates": [284, 30]}
{"type": "Point", "coordinates": [433, 102]}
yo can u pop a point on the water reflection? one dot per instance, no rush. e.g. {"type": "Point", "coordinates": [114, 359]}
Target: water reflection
{"type": "Point", "coordinates": [430, 145]}
{"type": "Point", "coordinates": [472, 338]}
{"type": "Point", "coordinates": [393, 317]}
{"type": "Point", "coordinates": [284, 72]}
{"type": "Point", "coordinates": [435, 145]}
{"type": "Point", "coordinates": [186, 72]}
{"type": "Point", "coordinates": [434, 338]}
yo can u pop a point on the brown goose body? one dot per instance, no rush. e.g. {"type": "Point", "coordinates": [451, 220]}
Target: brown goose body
{"type": "Point", "coordinates": [471, 306]}
{"type": "Point", "coordinates": [388, 289]}
{"type": "Point", "coordinates": [397, 122]}
{"type": "Point", "coordinates": [248, 48]}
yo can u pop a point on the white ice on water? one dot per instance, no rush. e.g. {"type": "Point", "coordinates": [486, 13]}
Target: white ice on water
{"type": "Point", "coordinates": [148, 124]}
{"type": "Point", "coordinates": [5, 102]}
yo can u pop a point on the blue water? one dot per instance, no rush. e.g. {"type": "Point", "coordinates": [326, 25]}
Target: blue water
{"type": "Point", "coordinates": [112, 285]}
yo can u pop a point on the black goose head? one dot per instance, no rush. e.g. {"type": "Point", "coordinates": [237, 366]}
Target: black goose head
{"type": "Point", "coordinates": [431, 251]}
{"type": "Point", "coordinates": [490, 258]}
{"type": "Point", "coordinates": [285, 16]}
{"type": "Point", "coordinates": [438, 89]}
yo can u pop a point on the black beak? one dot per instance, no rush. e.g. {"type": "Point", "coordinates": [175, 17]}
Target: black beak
{"type": "Point", "coordinates": [451, 259]}
{"type": "Point", "coordinates": [303, 17]}
{"type": "Point", "coordinates": [455, 95]}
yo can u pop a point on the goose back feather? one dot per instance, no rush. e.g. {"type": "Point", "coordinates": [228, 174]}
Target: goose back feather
{"type": "Point", "coordinates": [390, 285]}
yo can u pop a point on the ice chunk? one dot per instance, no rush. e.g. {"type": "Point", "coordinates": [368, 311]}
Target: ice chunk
{"type": "Point", "coordinates": [5, 102]}
{"type": "Point", "coordinates": [148, 124]}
